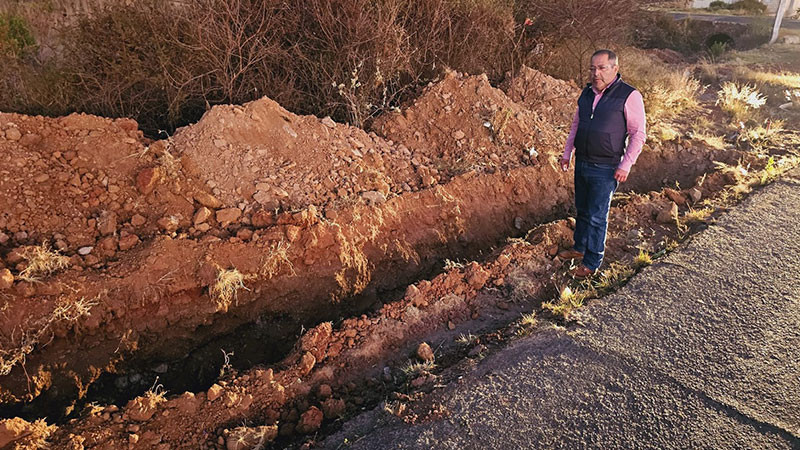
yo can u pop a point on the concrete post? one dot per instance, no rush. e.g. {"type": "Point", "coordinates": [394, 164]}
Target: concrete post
{"type": "Point", "coordinates": [782, 7]}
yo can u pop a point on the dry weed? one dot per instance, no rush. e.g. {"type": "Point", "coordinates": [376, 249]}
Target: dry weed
{"type": "Point", "coordinates": [413, 369]}
{"type": "Point", "coordinates": [567, 302]}
{"type": "Point", "coordinates": [739, 100]}
{"type": "Point", "coordinates": [41, 261]}
{"type": "Point", "coordinates": [225, 289]}
{"type": "Point", "coordinates": [66, 311]}
{"type": "Point", "coordinates": [697, 215]}
{"type": "Point", "coordinates": [643, 259]}
{"type": "Point", "coordinates": [277, 259]}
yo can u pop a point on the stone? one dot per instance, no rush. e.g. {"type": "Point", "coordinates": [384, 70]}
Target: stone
{"type": "Point", "coordinates": [201, 215]}
{"type": "Point", "coordinates": [138, 220]}
{"type": "Point", "coordinates": [458, 135]}
{"type": "Point", "coordinates": [6, 279]}
{"type": "Point", "coordinates": [476, 276]}
{"type": "Point", "coordinates": [675, 196]}
{"type": "Point", "coordinates": [669, 214]}
{"type": "Point", "coordinates": [228, 215]}
{"type": "Point", "coordinates": [168, 223]}
{"type": "Point", "coordinates": [262, 219]}
{"type": "Point", "coordinates": [13, 134]}
{"type": "Point", "coordinates": [147, 179]}
{"type": "Point", "coordinates": [41, 178]}
{"type": "Point", "coordinates": [83, 251]}
{"type": "Point", "coordinates": [245, 234]}
{"type": "Point", "coordinates": [266, 200]}
{"type": "Point", "coordinates": [695, 194]}
{"type": "Point", "coordinates": [310, 421]}
{"type": "Point", "coordinates": [307, 363]}
{"type": "Point", "coordinates": [128, 242]}
{"type": "Point", "coordinates": [107, 223]}
{"type": "Point", "coordinates": [3, 238]}
{"type": "Point", "coordinates": [424, 352]}
{"type": "Point", "coordinates": [328, 122]}
{"type": "Point", "coordinates": [207, 200]}
{"type": "Point", "coordinates": [374, 197]}
{"type": "Point", "coordinates": [214, 392]}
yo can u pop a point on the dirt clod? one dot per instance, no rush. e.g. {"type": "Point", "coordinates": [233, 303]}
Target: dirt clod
{"type": "Point", "coordinates": [6, 279]}
{"type": "Point", "coordinates": [310, 421]}
{"type": "Point", "coordinates": [424, 352]}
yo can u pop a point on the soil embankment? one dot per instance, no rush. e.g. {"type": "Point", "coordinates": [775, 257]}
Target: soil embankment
{"type": "Point", "coordinates": [258, 215]}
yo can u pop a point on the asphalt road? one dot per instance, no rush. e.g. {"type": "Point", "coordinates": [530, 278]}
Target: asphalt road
{"type": "Point", "coordinates": [700, 350]}
{"type": "Point", "coordinates": [785, 23]}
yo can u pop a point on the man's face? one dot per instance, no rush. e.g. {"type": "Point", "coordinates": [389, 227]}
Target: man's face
{"type": "Point", "coordinates": [603, 72]}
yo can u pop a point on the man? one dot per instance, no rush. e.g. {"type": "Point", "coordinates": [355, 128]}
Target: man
{"type": "Point", "coordinates": [608, 132]}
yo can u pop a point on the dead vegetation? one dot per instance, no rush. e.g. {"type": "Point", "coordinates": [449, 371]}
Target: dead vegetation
{"type": "Point", "coordinates": [225, 288]}
{"type": "Point", "coordinates": [16, 344]}
{"type": "Point", "coordinates": [41, 261]}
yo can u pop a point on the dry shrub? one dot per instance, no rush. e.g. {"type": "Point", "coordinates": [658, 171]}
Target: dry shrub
{"type": "Point", "coordinates": [164, 63]}
{"type": "Point", "coordinates": [667, 92]}
{"type": "Point", "coordinates": [574, 29]}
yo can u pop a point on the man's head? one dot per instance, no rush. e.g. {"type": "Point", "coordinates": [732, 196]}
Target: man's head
{"type": "Point", "coordinates": [603, 69]}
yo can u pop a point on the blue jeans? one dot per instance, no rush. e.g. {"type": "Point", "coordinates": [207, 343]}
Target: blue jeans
{"type": "Point", "coordinates": [594, 187]}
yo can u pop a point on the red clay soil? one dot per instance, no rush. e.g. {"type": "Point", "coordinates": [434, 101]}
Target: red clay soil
{"type": "Point", "coordinates": [149, 228]}
{"type": "Point", "coordinates": [314, 216]}
{"type": "Point", "coordinates": [329, 372]}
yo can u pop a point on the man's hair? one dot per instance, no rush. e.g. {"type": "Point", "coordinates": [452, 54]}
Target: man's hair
{"type": "Point", "coordinates": [612, 57]}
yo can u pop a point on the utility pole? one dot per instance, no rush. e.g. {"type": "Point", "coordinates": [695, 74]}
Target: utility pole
{"type": "Point", "coordinates": [782, 7]}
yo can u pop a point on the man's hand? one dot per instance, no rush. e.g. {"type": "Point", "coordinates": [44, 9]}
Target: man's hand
{"type": "Point", "coordinates": [564, 164]}
{"type": "Point", "coordinates": [620, 175]}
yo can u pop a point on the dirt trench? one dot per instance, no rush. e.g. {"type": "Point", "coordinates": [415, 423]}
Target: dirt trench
{"type": "Point", "coordinates": [330, 219]}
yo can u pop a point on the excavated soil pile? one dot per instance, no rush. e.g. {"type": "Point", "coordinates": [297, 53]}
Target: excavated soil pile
{"type": "Point", "coordinates": [254, 214]}
{"type": "Point", "coordinates": [463, 123]}
{"type": "Point", "coordinates": [555, 99]}
{"type": "Point", "coordinates": [118, 251]}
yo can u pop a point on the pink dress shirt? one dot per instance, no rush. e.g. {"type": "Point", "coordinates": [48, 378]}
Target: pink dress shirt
{"type": "Point", "coordinates": [637, 129]}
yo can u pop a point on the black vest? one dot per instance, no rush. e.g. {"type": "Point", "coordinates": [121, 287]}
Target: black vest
{"type": "Point", "coordinates": [601, 135]}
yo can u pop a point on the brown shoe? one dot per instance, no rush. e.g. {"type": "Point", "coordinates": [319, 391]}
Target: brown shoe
{"type": "Point", "coordinates": [570, 254]}
{"type": "Point", "coordinates": [582, 272]}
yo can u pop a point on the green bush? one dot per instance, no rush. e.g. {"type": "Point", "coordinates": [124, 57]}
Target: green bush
{"type": "Point", "coordinates": [16, 39]}
{"type": "Point", "coordinates": [750, 6]}
{"type": "Point", "coordinates": [718, 4]}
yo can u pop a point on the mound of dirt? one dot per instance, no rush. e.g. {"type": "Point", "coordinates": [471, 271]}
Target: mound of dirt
{"type": "Point", "coordinates": [260, 153]}
{"type": "Point", "coordinates": [462, 123]}
{"type": "Point", "coordinates": [554, 99]}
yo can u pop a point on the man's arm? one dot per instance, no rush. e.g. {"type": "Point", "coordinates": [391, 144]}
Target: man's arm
{"type": "Point", "coordinates": [570, 145]}
{"type": "Point", "coordinates": [637, 133]}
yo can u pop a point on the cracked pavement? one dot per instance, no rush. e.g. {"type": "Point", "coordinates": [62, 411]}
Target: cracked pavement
{"type": "Point", "coordinates": [700, 350]}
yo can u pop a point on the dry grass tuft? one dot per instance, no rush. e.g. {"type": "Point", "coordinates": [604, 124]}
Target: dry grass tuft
{"type": "Point", "coordinates": [697, 215]}
{"type": "Point", "coordinates": [466, 339]}
{"type": "Point", "coordinates": [228, 284]}
{"type": "Point", "coordinates": [643, 259]}
{"type": "Point", "coordinates": [739, 100]}
{"type": "Point", "coordinates": [41, 261]}
{"type": "Point", "coordinates": [277, 259]}
{"type": "Point", "coordinates": [412, 369]}
{"type": "Point", "coordinates": [789, 80]}
{"type": "Point", "coordinates": [567, 302]}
